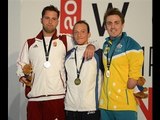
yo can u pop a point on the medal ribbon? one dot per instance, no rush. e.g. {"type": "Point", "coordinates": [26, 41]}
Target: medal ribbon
{"type": "Point", "coordinates": [110, 59]}
{"type": "Point", "coordinates": [78, 71]}
{"type": "Point", "coordinates": [45, 48]}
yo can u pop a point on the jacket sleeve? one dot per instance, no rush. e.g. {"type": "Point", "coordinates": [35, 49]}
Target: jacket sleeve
{"type": "Point", "coordinates": [135, 58]}
{"type": "Point", "coordinates": [23, 59]}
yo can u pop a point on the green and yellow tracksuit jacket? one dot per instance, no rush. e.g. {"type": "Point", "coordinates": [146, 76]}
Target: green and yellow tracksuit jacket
{"type": "Point", "coordinates": [126, 62]}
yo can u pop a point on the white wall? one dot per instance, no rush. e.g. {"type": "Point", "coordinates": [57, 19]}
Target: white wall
{"type": "Point", "coordinates": [24, 22]}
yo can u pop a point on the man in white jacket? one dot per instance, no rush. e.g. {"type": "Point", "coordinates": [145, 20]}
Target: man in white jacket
{"type": "Point", "coordinates": [83, 78]}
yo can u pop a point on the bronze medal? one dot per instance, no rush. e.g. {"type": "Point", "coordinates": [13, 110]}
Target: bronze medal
{"type": "Point", "coordinates": [77, 81]}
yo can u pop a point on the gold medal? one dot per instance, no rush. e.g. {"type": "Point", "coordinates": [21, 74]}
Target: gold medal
{"type": "Point", "coordinates": [77, 81]}
{"type": "Point", "coordinates": [107, 73]}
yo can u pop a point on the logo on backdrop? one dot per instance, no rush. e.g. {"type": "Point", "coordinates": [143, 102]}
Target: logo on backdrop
{"type": "Point", "coordinates": [70, 14]}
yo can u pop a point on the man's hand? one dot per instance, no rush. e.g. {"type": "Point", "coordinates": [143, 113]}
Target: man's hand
{"type": "Point", "coordinates": [24, 80]}
{"type": "Point", "coordinates": [89, 52]}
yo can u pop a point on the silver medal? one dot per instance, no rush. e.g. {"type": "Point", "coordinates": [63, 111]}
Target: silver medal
{"type": "Point", "coordinates": [47, 64]}
{"type": "Point", "coordinates": [107, 73]}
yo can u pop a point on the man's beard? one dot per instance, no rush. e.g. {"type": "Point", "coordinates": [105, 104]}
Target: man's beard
{"type": "Point", "coordinates": [49, 30]}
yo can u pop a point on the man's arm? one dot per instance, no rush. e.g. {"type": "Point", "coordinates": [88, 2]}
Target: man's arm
{"type": "Point", "coordinates": [131, 83]}
{"type": "Point", "coordinates": [21, 61]}
{"type": "Point", "coordinates": [89, 52]}
{"type": "Point", "coordinates": [90, 49]}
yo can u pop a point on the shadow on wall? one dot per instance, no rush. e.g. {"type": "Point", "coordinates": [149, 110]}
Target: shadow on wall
{"type": "Point", "coordinates": [16, 111]}
{"type": "Point", "coordinates": [16, 100]}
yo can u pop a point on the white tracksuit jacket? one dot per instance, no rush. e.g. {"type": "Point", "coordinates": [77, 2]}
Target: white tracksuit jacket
{"type": "Point", "coordinates": [83, 97]}
{"type": "Point", "coordinates": [49, 81]}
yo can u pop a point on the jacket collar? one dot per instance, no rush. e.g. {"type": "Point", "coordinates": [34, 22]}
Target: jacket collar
{"type": "Point", "coordinates": [39, 36]}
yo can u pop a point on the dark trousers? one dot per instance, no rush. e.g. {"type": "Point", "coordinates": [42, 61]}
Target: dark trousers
{"type": "Point", "coordinates": [88, 115]}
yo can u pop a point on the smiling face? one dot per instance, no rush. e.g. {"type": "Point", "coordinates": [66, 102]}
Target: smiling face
{"type": "Point", "coordinates": [81, 33]}
{"type": "Point", "coordinates": [114, 25]}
